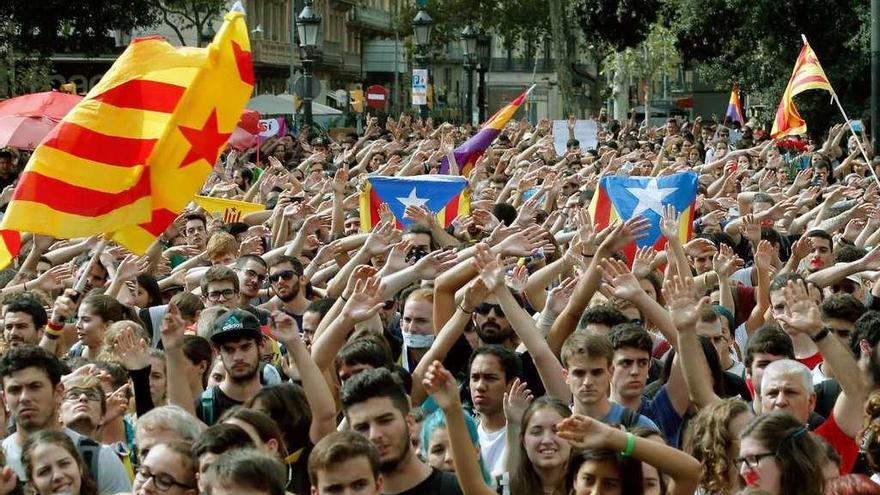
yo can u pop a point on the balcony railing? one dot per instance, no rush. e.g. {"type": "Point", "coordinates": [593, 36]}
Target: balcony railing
{"type": "Point", "coordinates": [271, 52]}
{"type": "Point", "coordinates": [370, 19]}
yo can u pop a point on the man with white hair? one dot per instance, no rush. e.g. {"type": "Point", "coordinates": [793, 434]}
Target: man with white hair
{"type": "Point", "coordinates": [787, 385]}
{"type": "Point", "coordinates": [165, 424]}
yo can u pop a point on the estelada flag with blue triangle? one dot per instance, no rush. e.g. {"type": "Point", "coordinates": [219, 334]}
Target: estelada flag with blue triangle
{"type": "Point", "coordinates": [620, 198]}
{"type": "Point", "coordinates": [446, 196]}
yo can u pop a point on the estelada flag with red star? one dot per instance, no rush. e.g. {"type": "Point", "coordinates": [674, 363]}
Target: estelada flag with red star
{"type": "Point", "coordinates": [130, 156]}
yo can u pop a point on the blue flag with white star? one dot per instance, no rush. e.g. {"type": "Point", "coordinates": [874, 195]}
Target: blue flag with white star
{"type": "Point", "coordinates": [646, 196]}
{"type": "Point", "coordinates": [444, 195]}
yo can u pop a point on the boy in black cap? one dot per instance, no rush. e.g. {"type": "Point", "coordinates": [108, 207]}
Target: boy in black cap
{"type": "Point", "coordinates": [236, 335]}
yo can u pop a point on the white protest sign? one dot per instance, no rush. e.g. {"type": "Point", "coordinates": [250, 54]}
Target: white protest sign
{"type": "Point", "coordinates": [585, 131]}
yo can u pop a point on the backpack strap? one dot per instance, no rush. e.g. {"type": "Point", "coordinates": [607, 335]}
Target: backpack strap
{"type": "Point", "coordinates": [90, 451]}
{"type": "Point", "coordinates": [629, 418]}
{"type": "Point", "coordinates": [207, 402]}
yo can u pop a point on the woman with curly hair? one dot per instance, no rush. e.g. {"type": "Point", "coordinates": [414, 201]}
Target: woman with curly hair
{"type": "Point", "coordinates": [713, 439]}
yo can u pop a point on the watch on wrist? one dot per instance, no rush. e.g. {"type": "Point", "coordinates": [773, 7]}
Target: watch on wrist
{"type": "Point", "coordinates": [821, 335]}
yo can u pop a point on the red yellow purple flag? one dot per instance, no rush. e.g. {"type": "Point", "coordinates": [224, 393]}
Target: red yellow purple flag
{"type": "Point", "coordinates": [807, 74]}
{"type": "Point", "coordinates": [133, 153]}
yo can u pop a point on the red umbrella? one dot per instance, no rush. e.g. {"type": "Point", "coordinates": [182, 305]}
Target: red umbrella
{"type": "Point", "coordinates": [26, 120]}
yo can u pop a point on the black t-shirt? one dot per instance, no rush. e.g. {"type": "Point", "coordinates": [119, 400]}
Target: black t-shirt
{"type": "Point", "coordinates": [220, 403]}
{"type": "Point", "coordinates": [439, 483]}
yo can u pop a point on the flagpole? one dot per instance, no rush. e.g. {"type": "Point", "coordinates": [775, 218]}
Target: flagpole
{"type": "Point", "coordinates": [851, 128]}
{"type": "Point", "coordinates": [84, 277]}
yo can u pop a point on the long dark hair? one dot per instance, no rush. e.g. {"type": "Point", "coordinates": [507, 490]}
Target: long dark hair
{"type": "Point", "coordinates": [52, 437]}
{"type": "Point", "coordinates": [287, 405]}
{"type": "Point", "coordinates": [525, 478]}
{"type": "Point", "coordinates": [796, 452]}
{"type": "Point", "coordinates": [629, 469]}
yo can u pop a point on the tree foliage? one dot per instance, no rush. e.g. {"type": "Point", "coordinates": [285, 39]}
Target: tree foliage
{"type": "Point", "coordinates": [40, 28]}
{"type": "Point", "coordinates": [756, 43]}
{"type": "Point", "coordinates": [182, 15]}
{"type": "Point", "coordinates": [617, 23]}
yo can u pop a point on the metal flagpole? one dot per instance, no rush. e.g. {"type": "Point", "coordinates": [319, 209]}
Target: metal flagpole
{"type": "Point", "coordinates": [851, 128]}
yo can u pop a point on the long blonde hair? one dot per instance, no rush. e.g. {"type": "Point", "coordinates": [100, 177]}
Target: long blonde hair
{"type": "Point", "coordinates": [709, 440]}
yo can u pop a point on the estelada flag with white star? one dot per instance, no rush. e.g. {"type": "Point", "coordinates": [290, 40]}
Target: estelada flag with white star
{"type": "Point", "coordinates": [130, 156]}
{"type": "Point", "coordinates": [622, 198]}
{"type": "Point", "coordinates": [446, 196]}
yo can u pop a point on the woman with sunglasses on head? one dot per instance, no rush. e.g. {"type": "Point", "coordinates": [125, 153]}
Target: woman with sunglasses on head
{"type": "Point", "coordinates": [779, 455]}
{"type": "Point", "coordinates": [53, 465]}
{"type": "Point", "coordinates": [168, 468]}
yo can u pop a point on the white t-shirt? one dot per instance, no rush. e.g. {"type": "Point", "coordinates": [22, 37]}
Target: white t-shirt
{"type": "Point", "coordinates": [492, 447]}
{"type": "Point", "coordinates": [112, 477]}
{"type": "Point", "coordinates": [818, 376]}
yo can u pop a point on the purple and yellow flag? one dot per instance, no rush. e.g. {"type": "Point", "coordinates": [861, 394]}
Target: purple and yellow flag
{"type": "Point", "coordinates": [467, 154]}
{"type": "Point", "coordinates": [734, 106]}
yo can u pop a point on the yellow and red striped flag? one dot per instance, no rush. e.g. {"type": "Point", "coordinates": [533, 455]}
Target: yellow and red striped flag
{"type": "Point", "coordinates": [807, 75]}
{"type": "Point", "coordinates": [132, 154]}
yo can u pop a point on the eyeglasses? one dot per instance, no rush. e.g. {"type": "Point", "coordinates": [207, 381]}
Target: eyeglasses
{"type": "Point", "coordinates": [752, 461]}
{"type": "Point", "coordinates": [162, 482]}
{"type": "Point", "coordinates": [218, 295]}
{"type": "Point", "coordinates": [261, 277]}
{"type": "Point", "coordinates": [286, 275]}
{"type": "Point", "coordinates": [76, 393]}
{"type": "Point", "coordinates": [484, 309]}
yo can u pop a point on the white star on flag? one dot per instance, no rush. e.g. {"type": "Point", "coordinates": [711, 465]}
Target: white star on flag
{"type": "Point", "coordinates": [650, 197]}
{"type": "Point", "coordinates": [413, 200]}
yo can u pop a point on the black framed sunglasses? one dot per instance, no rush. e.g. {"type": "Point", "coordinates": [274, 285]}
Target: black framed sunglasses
{"type": "Point", "coordinates": [484, 308]}
{"type": "Point", "coordinates": [286, 275]}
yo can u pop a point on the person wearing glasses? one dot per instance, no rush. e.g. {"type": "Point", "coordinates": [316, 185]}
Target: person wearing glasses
{"type": "Point", "coordinates": [83, 405]}
{"type": "Point", "coordinates": [33, 390]}
{"type": "Point", "coordinates": [290, 287]}
{"type": "Point", "coordinates": [779, 455]}
{"type": "Point", "coordinates": [169, 468]}
{"type": "Point", "coordinates": [54, 466]}
{"type": "Point", "coordinates": [220, 287]}
{"type": "Point", "coordinates": [252, 272]}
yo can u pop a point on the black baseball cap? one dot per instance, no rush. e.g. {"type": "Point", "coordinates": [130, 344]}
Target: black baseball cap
{"type": "Point", "coordinates": [235, 324]}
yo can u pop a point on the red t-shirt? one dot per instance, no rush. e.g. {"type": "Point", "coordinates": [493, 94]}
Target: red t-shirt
{"type": "Point", "coordinates": [811, 361]}
{"type": "Point", "coordinates": [845, 446]}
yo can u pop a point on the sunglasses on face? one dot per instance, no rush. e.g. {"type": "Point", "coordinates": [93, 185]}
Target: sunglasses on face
{"type": "Point", "coordinates": [286, 275]}
{"type": "Point", "coordinates": [484, 309]}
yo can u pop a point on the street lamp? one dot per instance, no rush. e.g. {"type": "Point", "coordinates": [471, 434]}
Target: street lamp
{"type": "Point", "coordinates": [308, 24]}
{"type": "Point", "coordinates": [469, 43]}
{"type": "Point", "coordinates": [422, 27]}
{"type": "Point", "coordinates": [484, 57]}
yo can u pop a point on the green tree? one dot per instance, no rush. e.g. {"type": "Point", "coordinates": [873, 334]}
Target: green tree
{"type": "Point", "coordinates": [181, 15]}
{"type": "Point", "coordinates": [756, 43]}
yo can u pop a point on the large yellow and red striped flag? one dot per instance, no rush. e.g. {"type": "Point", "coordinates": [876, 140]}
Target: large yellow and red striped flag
{"type": "Point", "coordinates": [807, 75]}
{"type": "Point", "coordinates": [132, 154]}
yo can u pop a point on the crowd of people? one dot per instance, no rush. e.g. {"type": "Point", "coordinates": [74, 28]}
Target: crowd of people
{"type": "Point", "coordinates": [516, 351]}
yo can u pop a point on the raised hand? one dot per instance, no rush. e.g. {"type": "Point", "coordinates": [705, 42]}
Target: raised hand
{"type": "Point", "coordinates": [558, 297]}
{"type": "Point", "coordinates": [284, 327]}
{"type": "Point", "coordinates": [517, 400]}
{"type": "Point", "coordinates": [439, 383]}
{"type": "Point", "coordinates": [669, 224]}
{"type": "Point", "coordinates": [644, 260]}
{"type": "Point", "coordinates": [681, 298]}
{"type": "Point", "coordinates": [489, 267]}
{"type": "Point", "coordinates": [173, 328]}
{"type": "Point", "coordinates": [363, 302]}
{"type": "Point", "coordinates": [117, 403]}
{"type": "Point", "coordinates": [385, 214]}
{"type": "Point", "coordinates": [527, 212]}
{"type": "Point", "coordinates": [751, 228]}
{"type": "Point", "coordinates": [474, 294]}
{"type": "Point", "coordinates": [397, 257]}
{"type": "Point", "coordinates": [420, 215]}
{"type": "Point", "coordinates": [801, 311]}
{"type": "Point", "coordinates": [433, 264]}
{"type": "Point", "coordinates": [54, 278]}
{"type": "Point", "coordinates": [622, 234]}
{"type": "Point", "coordinates": [724, 263]}
{"type": "Point", "coordinates": [131, 351]}
{"type": "Point", "coordinates": [380, 239]}
{"type": "Point", "coordinates": [518, 278]}
{"type": "Point", "coordinates": [764, 255]}
{"type": "Point", "coordinates": [524, 242]}
{"type": "Point", "coordinates": [620, 282]}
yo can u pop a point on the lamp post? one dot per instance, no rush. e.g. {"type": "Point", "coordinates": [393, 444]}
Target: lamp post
{"type": "Point", "coordinates": [308, 24]}
{"type": "Point", "coordinates": [422, 27]}
{"type": "Point", "coordinates": [469, 43]}
{"type": "Point", "coordinates": [484, 56]}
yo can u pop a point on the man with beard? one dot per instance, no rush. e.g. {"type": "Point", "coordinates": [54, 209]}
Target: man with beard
{"type": "Point", "coordinates": [24, 322]}
{"type": "Point", "coordinates": [251, 270]}
{"type": "Point", "coordinates": [83, 405]}
{"type": "Point", "coordinates": [33, 390]}
{"type": "Point", "coordinates": [376, 406]}
{"type": "Point", "coordinates": [290, 288]}
{"type": "Point", "coordinates": [236, 336]}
